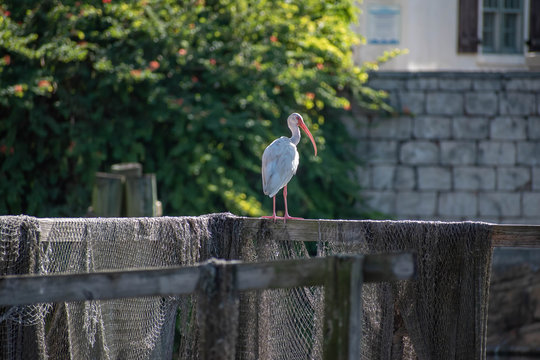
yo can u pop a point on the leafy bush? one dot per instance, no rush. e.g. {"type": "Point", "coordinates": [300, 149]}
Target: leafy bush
{"type": "Point", "coordinates": [194, 90]}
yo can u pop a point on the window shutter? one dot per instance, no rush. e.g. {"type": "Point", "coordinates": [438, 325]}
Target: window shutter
{"type": "Point", "coordinates": [468, 26]}
{"type": "Point", "coordinates": [534, 27]}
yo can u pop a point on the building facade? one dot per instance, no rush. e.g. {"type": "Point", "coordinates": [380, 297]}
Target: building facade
{"type": "Point", "coordinates": [455, 35]}
{"type": "Point", "coordinates": [464, 142]}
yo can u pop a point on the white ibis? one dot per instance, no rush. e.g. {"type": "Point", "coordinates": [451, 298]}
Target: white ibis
{"type": "Point", "coordinates": [280, 161]}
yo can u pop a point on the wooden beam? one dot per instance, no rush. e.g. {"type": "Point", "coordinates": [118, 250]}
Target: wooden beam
{"type": "Point", "coordinates": [516, 235]}
{"type": "Point", "coordinates": [28, 289]}
{"type": "Point", "coordinates": [308, 230]}
{"type": "Point", "coordinates": [343, 308]}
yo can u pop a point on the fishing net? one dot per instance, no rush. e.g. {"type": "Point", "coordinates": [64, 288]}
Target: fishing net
{"type": "Point", "coordinates": [441, 315]}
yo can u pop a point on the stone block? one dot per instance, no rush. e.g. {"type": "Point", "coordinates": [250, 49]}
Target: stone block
{"type": "Point", "coordinates": [362, 150]}
{"type": "Point", "coordinates": [513, 178]}
{"type": "Point", "coordinates": [444, 103]}
{"type": "Point", "coordinates": [432, 127]}
{"type": "Point", "coordinates": [474, 178]}
{"type": "Point", "coordinates": [534, 128]}
{"type": "Point", "coordinates": [363, 175]}
{"type": "Point", "coordinates": [357, 126]}
{"type": "Point", "coordinates": [415, 203]}
{"type": "Point", "coordinates": [405, 178]}
{"type": "Point", "coordinates": [481, 103]}
{"type": "Point", "coordinates": [522, 84]}
{"type": "Point", "coordinates": [393, 100]}
{"type": "Point", "coordinates": [391, 128]}
{"type": "Point", "coordinates": [413, 102]}
{"type": "Point", "coordinates": [458, 204]}
{"type": "Point", "coordinates": [536, 178]}
{"type": "Point", "coordinates": [383, 201]}
{"type": "Point", "coordinates": [470, 128]}
{"type": "Point", "coordinates": [458, 152]}
{"type": "Point", "coordinates": [422, 83]}
{"type": "Point", "coordinates": [517, 103]}
{"type": "Point", "coordinates": [531, 204]}
{"type": "Point", "coordinates": [496, 153]}
{"type": "Point", "coordinates": [508, 128]}
{"type": "Point", "coordinates": [434, 178]}
{"type": "Point", "coordinates": [499, 204]}
{"type": "Point", "coordinates": [382, 152]}
{"type": "Point", "coordinates": [386, 84]}
{"type": "Point", "coordinates": [383, 177]}
{"type": "Point", "coordinates": [487, 84]}
{"type": "Point", "coordinates": [419, 153]}
{"type": "Point", "coordinates": [528, 153]}
{"type": "Point", "coordinates": [455, 84]}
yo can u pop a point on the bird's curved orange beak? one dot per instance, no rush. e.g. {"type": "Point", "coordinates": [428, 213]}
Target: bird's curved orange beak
{"type": "Point", "coordinates": [306, 130]}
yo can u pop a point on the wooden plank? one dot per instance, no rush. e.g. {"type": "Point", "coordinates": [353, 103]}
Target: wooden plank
{"type": "Point", "coordinates": [28, 289]}
{"type": "Point", "coordinates": [127, 169]}
{"type": "Point", "coordinates": [308, 230]}
{"type": "Point", "coordinates": [516, 235]}
{"type": "Point", "coordinates": [389, 267]}
{"type": "Point", "coordinates": [218, 330]}
{"type": "Point", "coordinates": [343, 308]}
{"type": "Point", "coordinates": [107, 194]}
{"type": "Point", "coordinates": [281, 274]}
{"type": "Point", "coordinates": [141, 196]}
{"type": "Point", "coordinates": [293, 230]}
{"type": "Point", "coordinates": [356, 315]}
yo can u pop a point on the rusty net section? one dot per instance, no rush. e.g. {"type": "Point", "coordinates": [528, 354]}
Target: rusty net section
{"type": "Point", "coordinates": [442, 314]}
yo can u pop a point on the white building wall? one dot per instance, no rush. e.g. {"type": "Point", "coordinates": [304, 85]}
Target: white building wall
{"type": "Point", "coordinates": [429, 30]}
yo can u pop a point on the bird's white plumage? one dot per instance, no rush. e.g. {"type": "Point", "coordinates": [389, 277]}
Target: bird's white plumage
{"type": "Point", "coordinates": [279, 163]}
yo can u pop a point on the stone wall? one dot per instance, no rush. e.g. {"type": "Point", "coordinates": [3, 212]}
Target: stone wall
{"type": "Point", "coordinates": [465, 146]}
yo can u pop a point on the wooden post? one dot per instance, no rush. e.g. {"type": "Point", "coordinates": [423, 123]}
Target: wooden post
{"type": "Point", "coordinates": [107, 195]}
{"type": "Point", "coordinates": [141, 196]}
{"type": "Point", "coordinates": [343, 308]}
{"type": "Point", "coordinates": [127, 169]}
{"type": "Point", "coordinates": [217, 310]}
{"type": "Point", "coordinates": [125, 192]}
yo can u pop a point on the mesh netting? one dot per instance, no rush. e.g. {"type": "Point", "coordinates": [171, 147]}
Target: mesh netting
{"type": "Point", "coordinates": [441, 315]}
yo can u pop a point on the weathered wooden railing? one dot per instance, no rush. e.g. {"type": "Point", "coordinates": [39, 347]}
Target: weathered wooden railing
{"type": "Point", "coordinates": [341, 275]}
{"type": "Point", "coordinates": [503, 235]}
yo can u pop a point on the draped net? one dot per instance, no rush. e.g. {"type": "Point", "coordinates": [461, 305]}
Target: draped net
{"type": "Point", "coordinates": [440, 315]}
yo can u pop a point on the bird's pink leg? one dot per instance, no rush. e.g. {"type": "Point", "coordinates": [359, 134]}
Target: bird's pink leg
{"type": "Point", "coordinates": [273, 217]}
{"type": "Point", "coordinates": [287, 216]}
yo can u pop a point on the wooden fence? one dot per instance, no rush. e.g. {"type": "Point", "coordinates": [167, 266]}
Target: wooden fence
{"type": "Point", "coordinates": [341, 275]}
{"type": "Point", "coordinates": [308, 230]}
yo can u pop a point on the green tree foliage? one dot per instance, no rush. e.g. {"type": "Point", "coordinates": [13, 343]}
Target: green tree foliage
{"type": "Point", "coordinates": [194, 90]}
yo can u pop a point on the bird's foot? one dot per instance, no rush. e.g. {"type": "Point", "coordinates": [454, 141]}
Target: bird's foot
{"type": "Point", "coordinates": [285, 218]}
{"type": "Point", "coordinates": [273, 217]}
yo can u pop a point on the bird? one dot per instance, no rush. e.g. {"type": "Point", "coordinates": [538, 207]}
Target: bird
{"type": "Point", "coordinates": [280, 162]}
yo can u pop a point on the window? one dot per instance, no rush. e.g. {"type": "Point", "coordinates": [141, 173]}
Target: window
{"type": "Point", "coordinates": [502, 24]}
